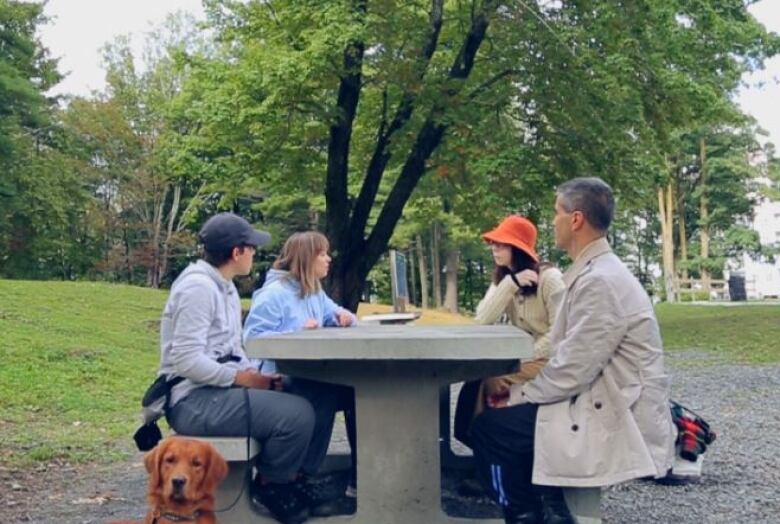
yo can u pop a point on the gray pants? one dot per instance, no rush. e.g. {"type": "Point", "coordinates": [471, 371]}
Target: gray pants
{"type": "Point", "coordinates": [283, 424]}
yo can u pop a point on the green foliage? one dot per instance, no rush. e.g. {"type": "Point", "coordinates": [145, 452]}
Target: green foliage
{"type": "Point", "coordinates": [26, 72]}
{"type": "Point", "coordinates": [373, 121]}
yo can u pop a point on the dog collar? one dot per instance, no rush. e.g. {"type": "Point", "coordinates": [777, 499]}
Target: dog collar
{"type": "Point", "coordinates": [176, 517]}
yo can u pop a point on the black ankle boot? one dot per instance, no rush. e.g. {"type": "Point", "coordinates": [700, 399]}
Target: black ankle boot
{"type": "Point", "coordinates": [554, 508]}
{"type": "Point", "coordinates": [526, 517]}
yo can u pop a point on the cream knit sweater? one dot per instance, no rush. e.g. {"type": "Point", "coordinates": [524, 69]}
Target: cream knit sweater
{"type": "Point", "coordinates": [533, 313]}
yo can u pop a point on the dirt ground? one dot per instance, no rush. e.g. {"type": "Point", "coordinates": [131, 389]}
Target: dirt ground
{"type": "Point", "coordinates": [65, 494]}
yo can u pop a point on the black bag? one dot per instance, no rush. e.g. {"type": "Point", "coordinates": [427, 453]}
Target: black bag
{"type": "Point", "coordinates": [147, 436]}
{"type": "Point", "coordinates": [161, 387]}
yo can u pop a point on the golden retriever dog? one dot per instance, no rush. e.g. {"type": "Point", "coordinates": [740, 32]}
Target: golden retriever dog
{"type": "Point", "coordinates": [183, 474]}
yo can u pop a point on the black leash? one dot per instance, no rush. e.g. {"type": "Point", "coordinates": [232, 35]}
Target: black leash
{"type": "Point", "coordinates": [248, 475]}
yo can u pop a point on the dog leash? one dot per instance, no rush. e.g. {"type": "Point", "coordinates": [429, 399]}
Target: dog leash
{"type": "Point", "coordinates": [248, 474]}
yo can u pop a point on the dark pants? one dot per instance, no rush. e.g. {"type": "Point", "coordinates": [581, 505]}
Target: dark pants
{"type": "Point", "coordinates": [326, 399]}
{"type": "Point", "coordinates": [503, 443]}
{"type": "Point", "coordinates": [283, 424]}
{"type": "Point", "coordinates": [464, 411]}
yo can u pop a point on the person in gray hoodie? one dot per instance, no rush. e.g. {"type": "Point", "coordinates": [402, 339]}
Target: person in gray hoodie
{"type": "Point", "coordinates": [223, 393]}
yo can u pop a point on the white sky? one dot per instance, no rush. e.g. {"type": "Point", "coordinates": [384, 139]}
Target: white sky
{"type": "Point", "coordinates": [79, 28]}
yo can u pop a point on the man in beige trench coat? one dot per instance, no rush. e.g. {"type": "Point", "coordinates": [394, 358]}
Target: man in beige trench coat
{"type": "Point", "coordinates": [598, 413]}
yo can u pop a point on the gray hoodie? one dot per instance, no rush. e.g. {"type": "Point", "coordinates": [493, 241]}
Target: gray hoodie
{"type": "Point", "coordinates": [201, 323]}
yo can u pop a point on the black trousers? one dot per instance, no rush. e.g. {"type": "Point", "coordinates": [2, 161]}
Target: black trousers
{"type": "Point", "coordinates": [464, 411]}
{"type": "Point", "coordinates": [326, 399]}
{"type": "Point", "coordinates": [503, 444]}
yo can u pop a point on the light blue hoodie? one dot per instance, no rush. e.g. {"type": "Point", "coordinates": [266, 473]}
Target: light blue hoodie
{"type": "Point", "coordinates": [278, 308]}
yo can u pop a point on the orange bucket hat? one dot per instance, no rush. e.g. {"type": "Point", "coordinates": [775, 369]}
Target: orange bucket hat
{"type": "Point", "coordinates": [516, 231]}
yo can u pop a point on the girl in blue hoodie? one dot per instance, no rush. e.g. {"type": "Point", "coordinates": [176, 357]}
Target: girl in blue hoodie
{"type": "Point", "coordinates": [292, 299]}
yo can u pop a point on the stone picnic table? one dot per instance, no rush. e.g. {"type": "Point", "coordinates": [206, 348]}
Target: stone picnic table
{"type": "Point", "coordinates": [397, 372]}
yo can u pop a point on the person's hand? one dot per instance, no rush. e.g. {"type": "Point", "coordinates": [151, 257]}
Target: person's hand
{"type": "Point", "coordinates": [250, 378]}
{"type": "Point", "coordinates": [276, 382]}
{"type": "Point", "coordinates": [498, 400]}
{"type": "Point", "coordinates": [527, 277]}
{"type": "Point", "coordinates": [311, 324]}
{"type": "Point", "coordinates": [344, 318]}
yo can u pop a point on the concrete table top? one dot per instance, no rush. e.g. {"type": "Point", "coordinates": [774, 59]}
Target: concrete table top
{"type": "Point", "coordinates": [394, 342]}
{"type": "Point", "coordinates": [397, 373]}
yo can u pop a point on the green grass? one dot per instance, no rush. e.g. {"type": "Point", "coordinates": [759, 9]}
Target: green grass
{"type": "Point", "coordinates": [747, 334]}
{"type": "Point", "coordinates": [75, 358]}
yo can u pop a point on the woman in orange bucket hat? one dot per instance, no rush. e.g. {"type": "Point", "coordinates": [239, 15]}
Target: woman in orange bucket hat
{"type": "Point", "coordinates": [528, 293]}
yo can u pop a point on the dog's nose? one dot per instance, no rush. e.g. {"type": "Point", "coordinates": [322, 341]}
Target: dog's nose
{"type": "Point", "coordinates": [178, 483]}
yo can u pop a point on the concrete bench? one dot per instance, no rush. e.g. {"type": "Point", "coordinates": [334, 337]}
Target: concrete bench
{"type": "Point", "coordinates": [233, 450]}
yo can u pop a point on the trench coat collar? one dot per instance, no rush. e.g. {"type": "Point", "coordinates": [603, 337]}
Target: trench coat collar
{"type": "Point", "coordinates": [596, 248]}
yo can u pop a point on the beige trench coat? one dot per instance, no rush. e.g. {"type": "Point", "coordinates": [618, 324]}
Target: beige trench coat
{"type": "Point", "coordinates": [604, 416]}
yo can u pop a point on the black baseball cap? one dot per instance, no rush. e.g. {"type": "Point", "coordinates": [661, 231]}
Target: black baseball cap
{"type": "Point", "coordinates": [228, 230]}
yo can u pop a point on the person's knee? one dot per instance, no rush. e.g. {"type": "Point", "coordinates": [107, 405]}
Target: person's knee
{"type": "Point", "coordinates": [285, 415]}
{"type": "Point", "coordinates": [486, 429]}
{"type": "Point", "coordinates": [301, 415]}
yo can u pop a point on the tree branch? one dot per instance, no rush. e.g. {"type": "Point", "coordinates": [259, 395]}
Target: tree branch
{"type": "Point", "coordinates": [428, 139]}
{"type": "Point", "coordinates": [488, 84]}
{"type": "Point", "coordinates": [381, 156]}
{"type": "Point", "coordinates": [336, 196]}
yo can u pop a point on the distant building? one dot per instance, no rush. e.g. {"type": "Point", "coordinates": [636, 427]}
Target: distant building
{"type": "Point", "coordinates": [762, 278]}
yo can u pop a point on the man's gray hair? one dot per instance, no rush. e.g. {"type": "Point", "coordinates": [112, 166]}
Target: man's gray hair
{"type": "Point", "coordinates": [590, 195]}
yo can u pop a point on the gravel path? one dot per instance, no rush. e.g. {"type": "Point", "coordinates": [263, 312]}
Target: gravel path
{"type": "Point", "coordinates": [741, 481]}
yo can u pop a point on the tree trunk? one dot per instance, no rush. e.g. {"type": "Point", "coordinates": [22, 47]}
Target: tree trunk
{"type": "Point", "coordinates": [451, 294]}
{"type": "Point", "coordinates": [681, 233]}
{"type": "Point", "coordinates": [412, 280]}
{"type": "Point", "coordinates": [665, 212]}
{"type": "Point", "coordinates": [346, 223]}
{"type": "Point", "coordinates": [704, 219]}
{"type": "Point", "coordinates": [423, 265]}
{"type": "Point", "coordinates": [169, 233]}
{"type": "Point", "coordinates": [153, 271]}
{"type": "Point", "coordinates": [436, 265]}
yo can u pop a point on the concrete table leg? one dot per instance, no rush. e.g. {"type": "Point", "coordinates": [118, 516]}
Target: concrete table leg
{"type": "Point", "coordinates": [401, 484]}
{"type": "Point", "coordinates": [397, 412]}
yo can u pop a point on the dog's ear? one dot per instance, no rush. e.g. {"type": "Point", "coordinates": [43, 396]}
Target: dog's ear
{"type": "Point", "coordinates": [152, 461]}
{"type": "Point", "coordinates": [217, 469]}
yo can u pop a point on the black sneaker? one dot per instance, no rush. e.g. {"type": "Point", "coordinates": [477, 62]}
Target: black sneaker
{"type": "Point", "coordinates": [342, 505]}
{"type": "Point", "coordinates": [282, 501]}
{"type": "Point", "coordinates": [313, 493]}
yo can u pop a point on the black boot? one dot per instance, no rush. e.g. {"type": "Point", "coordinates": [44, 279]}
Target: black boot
{"type": "Point", "coordinates": [554, 508]}
{"type": "Point", "coordinates": [529, 516]}
{"type": "Point", "coordinates": [526, 511]}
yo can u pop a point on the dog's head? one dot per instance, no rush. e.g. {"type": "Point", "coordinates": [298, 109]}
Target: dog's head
{"type": "Point", "coordinates": [183, 474]}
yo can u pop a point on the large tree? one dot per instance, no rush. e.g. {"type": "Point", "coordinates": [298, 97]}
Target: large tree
{"type": "Point", "coordinates": [363, 99]}
{"type": "Point", "coordinates": [38, 201]}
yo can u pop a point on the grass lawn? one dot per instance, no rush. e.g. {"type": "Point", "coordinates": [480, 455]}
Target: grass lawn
{"type": "Point", "coordinates": [75, 359]}
{"type": "Point", "coordinates": [747, 334]}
